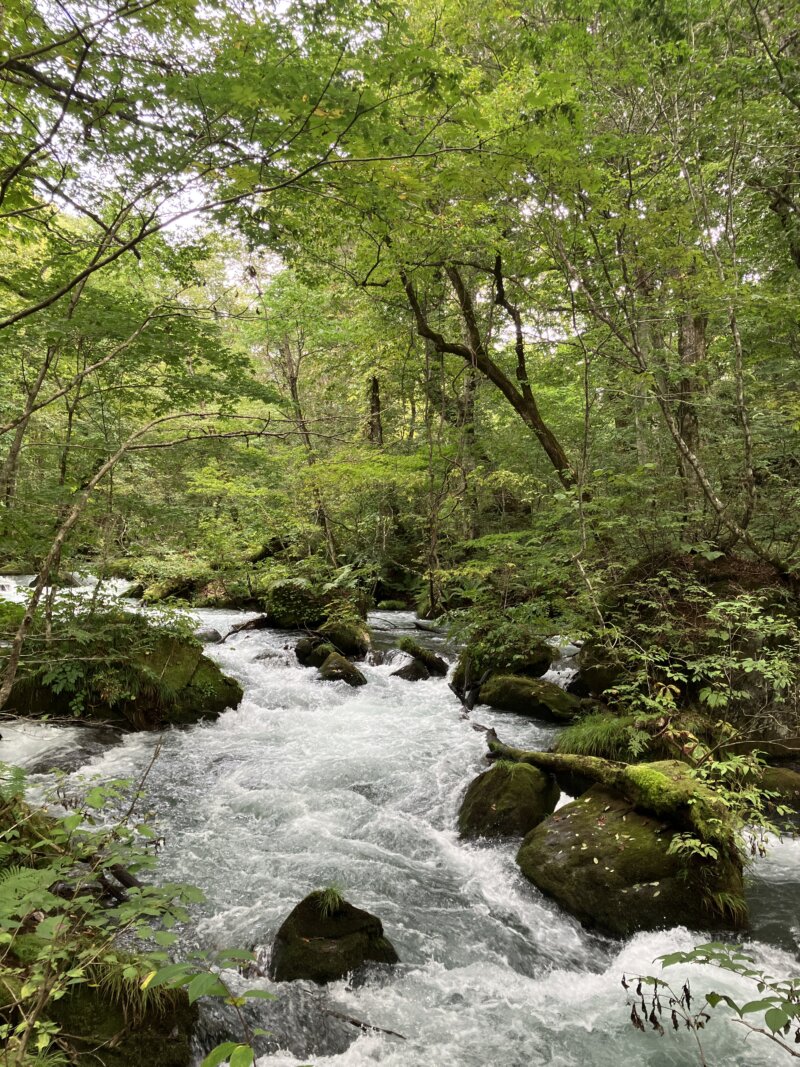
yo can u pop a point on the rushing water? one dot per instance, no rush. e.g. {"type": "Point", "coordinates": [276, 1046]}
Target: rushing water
{"type": "Point", "coordinates": [309, 783]}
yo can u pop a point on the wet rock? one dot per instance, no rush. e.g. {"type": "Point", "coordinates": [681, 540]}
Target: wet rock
{"type": "Point", "coordinates": [415, 671]}
{"type": "Point", "coordinates": [507, 801]}
{"type": "Point", "coordinates": [530, 696]}
{"type": "Point", "coordinates": [338, 669]}
{"type": "Point", "coordinates": [434, 664]}
{"type": "Point", "coordinates": [325, 938]}
{"type": "Point", "coordinates": [348, 638]}
{"type": "Point", "coordinates": [609, 866]}
{"type": "Point", "coordinates": [208, 635]}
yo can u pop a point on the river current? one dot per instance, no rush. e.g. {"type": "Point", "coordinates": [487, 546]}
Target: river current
{"type": "Point", "coordinates": [310, 783]}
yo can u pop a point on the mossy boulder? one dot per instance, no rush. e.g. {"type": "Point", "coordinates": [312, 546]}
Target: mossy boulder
{"type": "Point", "coordinates": [350, 638]}
{"type": "Point", "coordinates": [104, 1029]}
{"type": "Point", "coordinates": [530, 696]}
{"type": "Point", "coordinates": [324, 938]}
{"type": "Point", "coordinates": [171, 683]}
{"type": "Point", "coordinates": [507, 801]}
{"type": "Point", "coordinates": [609, 865]}
{"type": "Point", "coordinates": [338, 669]}
{"type": "Point", "coordinates": [392, 605]}
{"type": "Point", "coordinates": [176, 587]}
{"type": "Point", "coordinates": [412, 672]}
{"type": "Point", "coordinates": [312, 651]}
{"type": "Point", "coordinates": [434, 664]}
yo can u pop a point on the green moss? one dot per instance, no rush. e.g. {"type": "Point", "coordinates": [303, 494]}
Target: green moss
{"type": "Point", "coordinates": [392, 605]}
{"type": "Point", "coordinates": [294, 603]}
{"type": "Point", "coordinates": [507, 801]}
{"type": "Point", "coordinates": [530, 696]}
{"type": "Point", "coordinates": [785, 782]}
{"type": "Point", "coordinates": [347, 637]}
{"type": "Point", "coordinates": [157, 679]}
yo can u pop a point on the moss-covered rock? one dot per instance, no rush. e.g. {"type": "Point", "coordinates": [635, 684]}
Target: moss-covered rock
{"type": "Point", "coordinates": [609, 866]}
{"type": "Point", "coordinates": [312, 651]}
{"type": "Point", "coordinates": [434, 664]}
{"type": "Point", "coordinates": [347, 637]}
{"type": "Point", "coordinates": [109, 1030]}
{"type": "Point", "coordinates": [325, 938]}
{"type": "Point", "coordinates": [338, 669]}
{"type": "Point", "coordinates": [171, 683]}
{"type": "Point", "coordinates": [507, 801]}
{"type": "Point", "coordinates": [392, 605]}
{"type": "Point", "coordinates": [530, 696]}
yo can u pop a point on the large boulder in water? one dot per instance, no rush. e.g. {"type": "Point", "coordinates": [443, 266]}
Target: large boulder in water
{"type": "Point", "coordinates": [507, 801]}
{"type": "Point", "coordinates": [414, 671]}
{"type": "Point", "coordinates": [530, 696]}
{"type": "Point", "coordinates": [610, 866]}
{"type": "Point", "coordinates": [338, 669]}
{"type": "Point", "coordinates": [324, 938]}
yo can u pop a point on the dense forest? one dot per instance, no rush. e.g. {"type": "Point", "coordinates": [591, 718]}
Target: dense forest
{"type": "Point", "coordinates": [481, 318]}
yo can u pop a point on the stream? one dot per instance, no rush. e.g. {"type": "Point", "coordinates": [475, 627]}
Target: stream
{"type": "Point", "coordinates": [310, 783]}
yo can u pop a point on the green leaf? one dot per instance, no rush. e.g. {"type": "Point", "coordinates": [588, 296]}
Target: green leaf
{"type": "Point", "coordinates": [219, 1054]}
{"type": "Point", "coordinates": [242, 1056]}
{"type": "Point", "coordinates": [205, 985]}
{"type": "Point", "coordinates": [259, 994]}
{"type": "Point", "coordinates": [776, 1019]}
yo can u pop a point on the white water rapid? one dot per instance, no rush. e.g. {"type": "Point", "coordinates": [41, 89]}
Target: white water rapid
{"type": "Point", "coordinates": [309, 783]}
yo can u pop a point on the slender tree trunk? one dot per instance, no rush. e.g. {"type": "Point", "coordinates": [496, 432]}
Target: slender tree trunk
{"type": "Point", "coordinates": [375, 424]}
